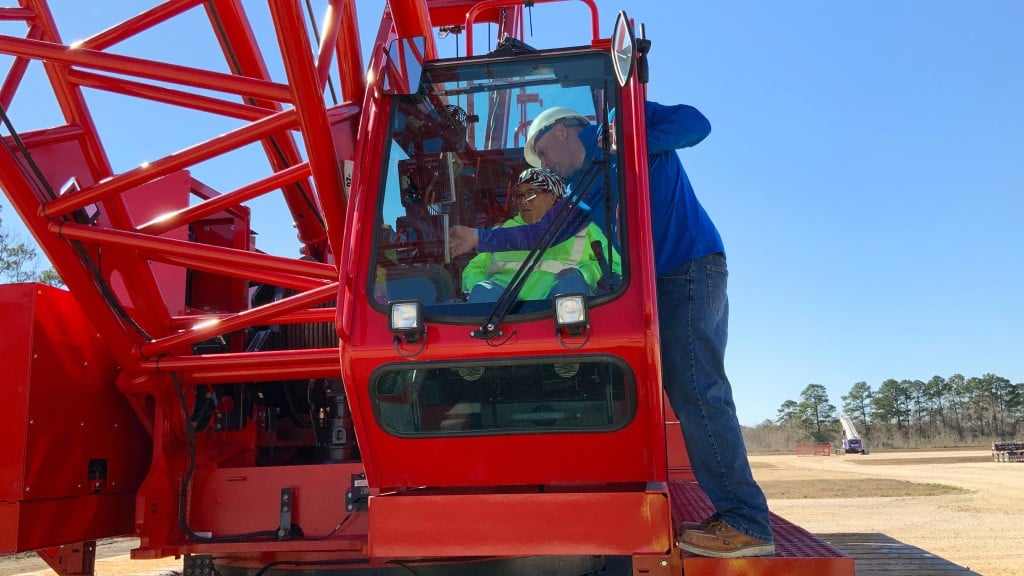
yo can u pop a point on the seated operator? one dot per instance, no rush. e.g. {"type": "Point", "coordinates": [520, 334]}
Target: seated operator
{"type": "Point", "coordinates": [571, 266]}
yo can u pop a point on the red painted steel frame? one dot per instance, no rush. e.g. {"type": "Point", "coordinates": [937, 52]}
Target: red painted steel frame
{"type": "Point", "coordinates": [481, 7]}
{"type": "Point", "coordinates": [148, 334]}
{"type": "Point", "coordinates": [68, 66]}
{"type": "Point", "coordinates": [162, 348]}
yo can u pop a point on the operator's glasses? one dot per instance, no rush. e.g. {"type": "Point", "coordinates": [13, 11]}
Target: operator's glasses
{"type": "Point", "coordinates": [527, 193]}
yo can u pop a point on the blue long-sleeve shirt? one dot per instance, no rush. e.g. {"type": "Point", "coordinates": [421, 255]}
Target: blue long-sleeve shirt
{"type": "Point", "coordinates": [681, 227]}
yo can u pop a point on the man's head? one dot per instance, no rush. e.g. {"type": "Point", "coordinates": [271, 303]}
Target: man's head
{"type": "Point", "coordinates": [553, 141]}
{"type": "Point", "coordinates": [535, 192]}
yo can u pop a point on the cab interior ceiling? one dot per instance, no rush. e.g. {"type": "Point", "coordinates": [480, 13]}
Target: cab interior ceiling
{"type": "Point", "coordinates": [568, 72]}
{"type": "Point", "coordinates": [508, 85]}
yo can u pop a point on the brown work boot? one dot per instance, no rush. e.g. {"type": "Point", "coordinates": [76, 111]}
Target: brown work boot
{"type": "Point", "coordinates": [684, 526]}
{"type": "Point", "coordinates": [719, 540]}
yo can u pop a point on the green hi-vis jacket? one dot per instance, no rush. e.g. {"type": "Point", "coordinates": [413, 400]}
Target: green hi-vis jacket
{"type": "Point", "coordinates": [576, 252]}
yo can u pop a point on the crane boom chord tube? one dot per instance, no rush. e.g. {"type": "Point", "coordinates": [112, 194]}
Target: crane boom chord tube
{"type": "Point", "coordinates": [214, 255]}
{"type": "Point", "coordinates": [243, 319]}
{"type": "Point", "coordinates": [224, 201]}
{"type": "Point", "coordinates": [167, 95]}
{"type": "Point", "coordinates": [164, 166]}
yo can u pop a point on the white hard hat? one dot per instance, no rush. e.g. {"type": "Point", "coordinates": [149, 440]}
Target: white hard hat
{"type": "Point", "coordinates": [543, 122]}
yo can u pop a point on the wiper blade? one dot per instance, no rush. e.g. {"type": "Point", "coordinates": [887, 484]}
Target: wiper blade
{"type": "Point", "coordinates": [566, 211]}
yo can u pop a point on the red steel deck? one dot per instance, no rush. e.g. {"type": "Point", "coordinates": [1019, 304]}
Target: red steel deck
{"type": "Point", "coordinates": [797, 551]}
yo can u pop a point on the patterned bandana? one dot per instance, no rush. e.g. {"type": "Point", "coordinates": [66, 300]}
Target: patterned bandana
{"type": "Point", "coordinates": [543, 178]}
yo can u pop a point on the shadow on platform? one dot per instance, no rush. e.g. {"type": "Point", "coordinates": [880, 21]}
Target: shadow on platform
{"type": "Point", "coordinates": [877, 554]}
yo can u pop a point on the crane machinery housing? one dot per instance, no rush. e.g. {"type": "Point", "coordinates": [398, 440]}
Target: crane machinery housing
{"type": "Point", "coordinates": [346, 410]}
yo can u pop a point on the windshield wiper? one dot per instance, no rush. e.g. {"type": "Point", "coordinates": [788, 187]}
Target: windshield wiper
{"type": "Point", "coordinates": [567, 210]}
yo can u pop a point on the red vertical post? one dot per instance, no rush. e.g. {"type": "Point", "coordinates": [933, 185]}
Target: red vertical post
{"type": "Point", "coordinates": [309, 104]}
{"type": "Point", "coordinates": [348, 52]}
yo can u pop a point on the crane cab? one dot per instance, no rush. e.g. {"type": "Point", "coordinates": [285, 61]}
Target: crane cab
{"type": "Point", "coordinates": [497, 397]}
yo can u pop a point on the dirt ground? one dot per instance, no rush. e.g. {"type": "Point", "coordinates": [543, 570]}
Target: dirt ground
{"type": "Point", "coordinates": [958, 505]}
{"type": "Point", "coordinates": [111, 560]}
{"type": "Point", "coordinates": [973, 518]}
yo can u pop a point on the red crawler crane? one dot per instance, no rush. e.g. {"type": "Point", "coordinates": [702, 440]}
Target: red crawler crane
{"type": "Point", "coordinates": [346, 410]}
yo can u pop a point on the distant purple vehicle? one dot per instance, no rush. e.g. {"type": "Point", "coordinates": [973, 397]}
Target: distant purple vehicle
{"type": "Point", "coordinates": [852, 443]}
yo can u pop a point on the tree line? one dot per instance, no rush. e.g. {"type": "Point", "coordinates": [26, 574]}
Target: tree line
{"type": "Point", "coordinates": [951, 411]}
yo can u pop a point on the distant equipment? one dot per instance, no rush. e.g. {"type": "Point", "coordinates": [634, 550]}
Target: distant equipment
{"type": "Point", "coordinates": [1008, 451]}
{"type": "Point", "coordinates": [852, 443]}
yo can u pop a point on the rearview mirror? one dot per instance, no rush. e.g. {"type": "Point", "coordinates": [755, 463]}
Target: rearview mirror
{"type": "Point", "coordinates": [623, 49]}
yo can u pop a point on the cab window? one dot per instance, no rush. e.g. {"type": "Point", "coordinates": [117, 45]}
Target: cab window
{"type": "Point", "coordinates": [454, 157]}
{"type": "Point", "coordinates": [586, 394]}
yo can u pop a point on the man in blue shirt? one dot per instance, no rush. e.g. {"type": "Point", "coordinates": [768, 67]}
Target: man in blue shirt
{"type": "Point", "coordinates": [693, 310]}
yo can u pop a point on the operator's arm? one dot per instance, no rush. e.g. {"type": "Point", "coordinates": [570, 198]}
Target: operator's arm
{"type": "Point", "coordinates": [527, 236]}
{"type": "Point", "coordinates": [674, 127]}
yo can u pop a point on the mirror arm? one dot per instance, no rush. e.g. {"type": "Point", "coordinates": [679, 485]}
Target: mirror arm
{"type": "Point", "coordinates": [643, 46]}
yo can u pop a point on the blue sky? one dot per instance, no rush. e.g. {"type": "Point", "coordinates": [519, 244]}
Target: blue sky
{"type": "Point", "coordinates": [865, 169]}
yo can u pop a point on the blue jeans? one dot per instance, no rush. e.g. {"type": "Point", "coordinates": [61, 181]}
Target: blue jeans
{"type": "Point", "coordinates": [693, 313]}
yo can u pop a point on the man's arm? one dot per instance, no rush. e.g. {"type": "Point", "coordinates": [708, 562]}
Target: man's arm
{"type": "Point", "coordinates": [463, 239]}
{"type": "Point", "coordinates": [674, 127]}
{"type": "Point", "coordinates": [527, 236]}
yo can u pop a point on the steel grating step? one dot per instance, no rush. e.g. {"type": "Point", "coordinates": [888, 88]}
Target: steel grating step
{"type": "Point", "coordinates": [797, 551]}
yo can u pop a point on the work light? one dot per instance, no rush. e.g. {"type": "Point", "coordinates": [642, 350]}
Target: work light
{"type": "Point", "coordinates": [571, 313]}
{"type": "Point", "coordinates": [405, 319]}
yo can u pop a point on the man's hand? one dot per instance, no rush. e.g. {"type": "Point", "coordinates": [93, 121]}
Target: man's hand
{"type": "Point", "coordinates": [462, 240]}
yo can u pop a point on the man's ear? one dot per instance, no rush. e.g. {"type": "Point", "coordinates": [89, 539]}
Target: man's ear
{"type": "Point", "coordinates": [562, 130]}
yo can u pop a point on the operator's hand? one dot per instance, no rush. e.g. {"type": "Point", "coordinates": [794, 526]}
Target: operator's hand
{"type": "Point", "coordinates": [462, 240]}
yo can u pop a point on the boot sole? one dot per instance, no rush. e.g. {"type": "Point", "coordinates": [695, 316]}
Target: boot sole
{"type": "Point", "coordinates": [748, 551]}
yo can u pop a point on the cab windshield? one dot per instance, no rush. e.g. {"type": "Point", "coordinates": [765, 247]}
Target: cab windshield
{"type": "Point", "coordinates": [455, 156]}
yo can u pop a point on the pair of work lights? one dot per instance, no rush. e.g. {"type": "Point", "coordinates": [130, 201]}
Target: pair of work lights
{"type": "Point", "coordinates": [405, 317]}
